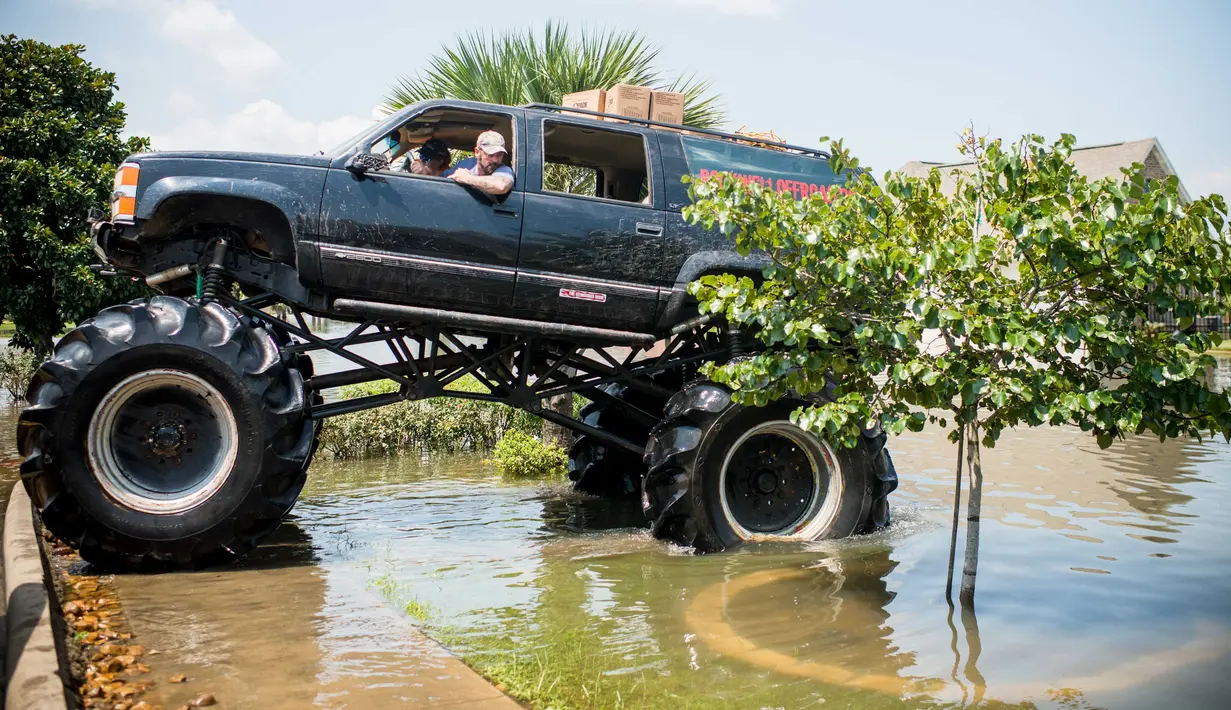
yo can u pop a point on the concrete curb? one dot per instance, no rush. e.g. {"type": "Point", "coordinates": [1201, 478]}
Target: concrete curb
{"type": "Point", "coordinates": [32, 664]}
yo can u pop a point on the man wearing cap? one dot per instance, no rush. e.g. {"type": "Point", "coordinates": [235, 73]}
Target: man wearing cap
{"type": "Point", "coordinates": [486, 171]}
{"type": "Point", "coordinates": [433, 159]}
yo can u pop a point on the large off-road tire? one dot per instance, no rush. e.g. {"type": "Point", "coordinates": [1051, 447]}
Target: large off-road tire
{"type": "Point", "coordinates": [721, 473]}
{"type": "Point", "coordinates": [609, 471]}
{"type": "Point", "coordinates": [166, 435]}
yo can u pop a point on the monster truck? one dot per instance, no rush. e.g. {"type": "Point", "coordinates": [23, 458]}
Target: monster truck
{"type": "Point", "coordinates": [176, 431]}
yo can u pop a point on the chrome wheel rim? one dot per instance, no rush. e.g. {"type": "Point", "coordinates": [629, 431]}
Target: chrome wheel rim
{"type": "Point", "coordinates": [778, 480]}
{"type": "Point", "coordinates": [162, 441]}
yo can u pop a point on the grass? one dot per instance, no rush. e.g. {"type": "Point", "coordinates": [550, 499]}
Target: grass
{"type": "Point", "coordinates": [7, 329]}
{"type": "Point", "coordinates": [553, 663]}
{"type": "Point", "coordinates": [417, 610]}
{"type": "Point", "coordinates": [398, 595]}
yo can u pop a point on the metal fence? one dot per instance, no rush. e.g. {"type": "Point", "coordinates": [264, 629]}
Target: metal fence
{"type": "Point", "coordinates": [1211, 324]}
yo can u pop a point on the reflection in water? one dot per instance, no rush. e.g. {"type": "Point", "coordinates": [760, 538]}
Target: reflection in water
{"type": "Point", "coordinates": [974, 648]}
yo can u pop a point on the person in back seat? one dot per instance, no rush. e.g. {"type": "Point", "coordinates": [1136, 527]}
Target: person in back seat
{"type": "Point", "coordinates": [486, 171]}
{"type": "Point", "coordinates": [434, 158]}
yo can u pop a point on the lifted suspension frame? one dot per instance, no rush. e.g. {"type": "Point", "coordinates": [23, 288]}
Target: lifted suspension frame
{"type": "Point", "coordinates": [518, 369]}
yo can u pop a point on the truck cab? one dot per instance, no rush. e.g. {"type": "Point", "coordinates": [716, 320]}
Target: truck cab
{"type": "Point", "coordinates": [591, 232]}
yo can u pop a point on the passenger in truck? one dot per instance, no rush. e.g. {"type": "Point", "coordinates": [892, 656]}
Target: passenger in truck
{"type": "Point", "coordinates": [486, 171]}
{"type": "Point", "coordinates": [433, 160]}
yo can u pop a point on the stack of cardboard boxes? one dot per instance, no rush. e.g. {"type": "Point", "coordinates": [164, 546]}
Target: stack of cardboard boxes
{"type": "Point", "coordinates": [632, 101]}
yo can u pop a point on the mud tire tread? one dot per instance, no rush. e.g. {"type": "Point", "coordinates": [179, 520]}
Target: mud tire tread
{"type": "Point", "coordinates": [672, 496]}
{"type": "Point", "coordinates": [249, 351]}
{"type": "Point", "coordinates": [607, 471]}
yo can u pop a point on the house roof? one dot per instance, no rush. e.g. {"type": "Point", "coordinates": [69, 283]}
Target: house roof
{"type": "Point", "coordinates": [1095, 162]}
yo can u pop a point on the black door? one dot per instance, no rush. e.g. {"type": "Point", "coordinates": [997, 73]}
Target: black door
{"type": "Point", "coordinates": [587, 258]}
{"type": "Point", "coordinates": [422, 240]}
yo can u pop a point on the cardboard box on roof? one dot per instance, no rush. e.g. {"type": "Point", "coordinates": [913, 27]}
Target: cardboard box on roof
{"type": "Point", "coordinates": [629, 100]}
{"type": "Point", "coordinates": [667, 106]}
{"type": "Point", "coordinates": [593, 100]}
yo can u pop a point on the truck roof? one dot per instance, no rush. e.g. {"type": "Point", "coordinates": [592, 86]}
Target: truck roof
{"type": "Point", "coordinates": [700, 132]}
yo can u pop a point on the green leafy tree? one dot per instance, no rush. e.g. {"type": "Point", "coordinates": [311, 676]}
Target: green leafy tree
{"type": "Point", "coordinates": [60, 146]}
{"type": "Point", "coordinates": [517, 67]}
{"type": "Point", "coordinates": [1019, 299]}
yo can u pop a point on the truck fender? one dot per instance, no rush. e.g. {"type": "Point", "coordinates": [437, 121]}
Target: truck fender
{"type": "Point", "coordinates": [173, 203]}
{"type": "Point", "coordinates": [679, 303]}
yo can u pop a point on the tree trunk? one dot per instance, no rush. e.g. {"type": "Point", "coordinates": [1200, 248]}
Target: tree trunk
{"type": "Point", "coordinates": [957, 508]}
{"type": "Point", "coordinates": [554, 433]}
{"type": "Point", "coordinates": [971, 566]}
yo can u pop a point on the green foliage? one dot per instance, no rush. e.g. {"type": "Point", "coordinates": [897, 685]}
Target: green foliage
{"type": "Point", "coordinates": [520, 455]}
{"type": "Point", "coordinates": [59, 149]}
{"type": "Point", "coordinates": [516, 67]}
{"type": "Point", "coordinates": [1020, 298]}
{"type": "Point", "coordinates": [401, 595]}
{"type": "Point", "coordinates": [17, 368]}
{"type": "Point", "coordinates": [442, 425]}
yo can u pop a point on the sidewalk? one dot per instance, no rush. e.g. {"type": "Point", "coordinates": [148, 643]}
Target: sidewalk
{"type": "Point", "coordinates": [32, 666]}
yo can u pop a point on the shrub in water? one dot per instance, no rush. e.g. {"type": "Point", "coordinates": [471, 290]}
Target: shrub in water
{"type": "Point", "coordinates": [519, 455]}
{"type": "Point", "coordinates": [16, 369]}
{"type": "Point", "coordinates": [440, 425]}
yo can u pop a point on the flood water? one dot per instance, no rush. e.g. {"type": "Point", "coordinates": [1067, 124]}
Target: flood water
{"type": "Point", "coordinates": [1104, 582]}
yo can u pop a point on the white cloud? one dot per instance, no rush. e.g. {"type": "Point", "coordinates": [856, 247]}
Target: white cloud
{"type": "Point", "coordinates": [732, 7]}
{"type": "Point", "coordinates": [261, 126]}
{"type": "Point", "coordinates": [201, 26]}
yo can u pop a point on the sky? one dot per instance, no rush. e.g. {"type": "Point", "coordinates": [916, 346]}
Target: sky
{"type": "Point", "coordinates": [898, 81]}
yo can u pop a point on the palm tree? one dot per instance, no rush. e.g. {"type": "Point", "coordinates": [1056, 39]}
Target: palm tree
{"type": "Point", "coordinates": [518, 67]}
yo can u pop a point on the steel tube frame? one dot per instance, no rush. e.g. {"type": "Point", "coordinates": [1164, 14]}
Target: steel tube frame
{"type": "Point", "coordinates": [520, 370]}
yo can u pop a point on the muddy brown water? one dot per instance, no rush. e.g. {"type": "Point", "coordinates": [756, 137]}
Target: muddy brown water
{"type": "Point", "coordinates": [1105, 581]}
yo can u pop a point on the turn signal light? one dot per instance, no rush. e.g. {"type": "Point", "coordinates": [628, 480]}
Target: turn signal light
{"type": "Point", "coordinates": [124, 193]}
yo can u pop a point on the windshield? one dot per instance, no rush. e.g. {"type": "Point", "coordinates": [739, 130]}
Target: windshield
{"type": "Point", "coordinates": [349, 142]}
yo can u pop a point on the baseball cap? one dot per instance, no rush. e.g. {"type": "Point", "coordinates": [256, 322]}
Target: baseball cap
{"type": "Point", "coordinates": [432, 149]}
{"type": "Point", "coordinates": [491, 142]}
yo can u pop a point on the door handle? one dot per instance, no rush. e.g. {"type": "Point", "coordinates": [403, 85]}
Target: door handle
{"type": "Point", "coordinates": [648, 229]}
{"type": "Point", "coordinates": [505, 211]}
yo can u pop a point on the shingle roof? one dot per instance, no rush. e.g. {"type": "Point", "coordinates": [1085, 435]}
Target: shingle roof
{"type": "Point", "coordinates": [1095, 162]}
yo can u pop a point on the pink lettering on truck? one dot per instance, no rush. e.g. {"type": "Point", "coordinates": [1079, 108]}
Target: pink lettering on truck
{"type": "Point", "coordinates": [800, 175]}
{"type": "Point", "coordinates": [583, 295]}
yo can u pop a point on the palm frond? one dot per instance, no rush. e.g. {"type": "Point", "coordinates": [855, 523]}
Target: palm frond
{"type": "Point", "coordinates": [519, 66]}
{"type": "Point", "coordinates": [702, 108]}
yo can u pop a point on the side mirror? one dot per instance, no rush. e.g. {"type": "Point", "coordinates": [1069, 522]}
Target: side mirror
{"type": "Point", "coordinates": [361, 163]}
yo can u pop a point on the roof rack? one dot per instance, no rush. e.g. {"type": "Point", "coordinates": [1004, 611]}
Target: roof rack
{"type": "Point", "coordinates": [677, 127]}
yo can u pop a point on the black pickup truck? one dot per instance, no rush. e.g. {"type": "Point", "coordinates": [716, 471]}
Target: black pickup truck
{"type": "Point", "coordinates": [176, 431]}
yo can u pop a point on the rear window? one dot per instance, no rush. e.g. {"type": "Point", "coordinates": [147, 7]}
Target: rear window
{"type": "Point", "coordinates": [797, 174]}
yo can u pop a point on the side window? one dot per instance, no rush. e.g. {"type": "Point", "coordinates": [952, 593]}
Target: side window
{"type": "Point", "coordinates": [580, 160]}
{"type": "Point", "coordinates": [435, 140]}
